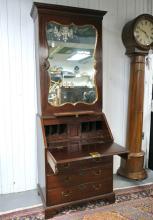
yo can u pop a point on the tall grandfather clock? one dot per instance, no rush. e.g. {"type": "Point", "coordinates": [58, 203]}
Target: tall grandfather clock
{"type": "Point", "coordinates": [137, 37]}
{"type": "Point", "coordinates": [75, 143]}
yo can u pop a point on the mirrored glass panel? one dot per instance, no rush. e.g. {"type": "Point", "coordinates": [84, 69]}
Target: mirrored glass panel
{"type": "Point", "coordinates": [71, 58]}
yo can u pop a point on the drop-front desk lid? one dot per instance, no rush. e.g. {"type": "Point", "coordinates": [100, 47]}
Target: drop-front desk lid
{"type": "Point", "coordinates": [69, 158]}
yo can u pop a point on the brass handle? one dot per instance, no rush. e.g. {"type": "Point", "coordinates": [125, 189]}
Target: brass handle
{"type": "Point", "coordinates": [97, 172]}
{"type": "Point", "coordinates": [66, 194]}
{"type": "Point", "coordinates": [97, 187]}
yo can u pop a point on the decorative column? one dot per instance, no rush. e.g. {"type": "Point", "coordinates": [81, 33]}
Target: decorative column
{"type": "Point", "coordinates": [133, 166]}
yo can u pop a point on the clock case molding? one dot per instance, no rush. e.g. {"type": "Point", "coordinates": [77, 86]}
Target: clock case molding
{"type": "Point", "coordinates": [75, 143]}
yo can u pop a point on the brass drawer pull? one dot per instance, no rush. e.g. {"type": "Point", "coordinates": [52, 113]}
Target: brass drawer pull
{"type": "Point", "coordinates": [97, 172]}
{"type": "Point", "coordinates": [66, 165]}
{"type": "Point", "coordinates": [66, 194]}
{"type": "Point", "coordinates": [95, 154]}
{"type": "Point", "coordinates": [97, 187]}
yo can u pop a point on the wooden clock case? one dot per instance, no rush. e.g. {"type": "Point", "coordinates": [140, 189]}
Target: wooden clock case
{"type": "Point", "coordinates": [133, 167]}
{"type": "Point", "coordinates": [75, 143]}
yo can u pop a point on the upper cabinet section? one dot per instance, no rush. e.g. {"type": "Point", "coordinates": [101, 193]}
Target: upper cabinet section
{"type": "Point", "coordinates": [69, 59]}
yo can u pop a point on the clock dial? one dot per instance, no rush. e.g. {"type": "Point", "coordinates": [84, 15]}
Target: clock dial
{"type": "Point", "coordinates": [143, 32]}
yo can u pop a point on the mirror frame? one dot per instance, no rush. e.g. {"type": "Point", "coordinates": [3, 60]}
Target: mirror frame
{"type": "Point", "coordinates": [65, 16]}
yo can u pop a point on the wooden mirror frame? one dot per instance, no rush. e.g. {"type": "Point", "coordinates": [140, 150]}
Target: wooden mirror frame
{"type": "Point", "coordinates": [65, 16]}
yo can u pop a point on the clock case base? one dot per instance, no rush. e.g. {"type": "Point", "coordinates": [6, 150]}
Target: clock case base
{"type": "Point", "coordinates": [133, 167]}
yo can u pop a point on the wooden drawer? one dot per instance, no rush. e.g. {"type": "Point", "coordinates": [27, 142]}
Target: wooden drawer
{"type": "Point", "coordinates": [82, 191]}
{"type": "Point", "coordinates": [101, 134]}
{"type": "Point", "coordinates": [79, 176]}
{"type": "Point", "coordinates": [76, 164]}
{"type": "Point", "coordinates": [73, 166]}
{"type": "Point", "coordinates": [82, 156]}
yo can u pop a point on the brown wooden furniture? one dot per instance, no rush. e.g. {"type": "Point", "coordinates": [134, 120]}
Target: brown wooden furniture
{"type": "Point", "coordinates": [133, 167]}
{"type": "Point", "coordinates": [138, 38]}
{"type": "Point", "coordinates": [75, 144]}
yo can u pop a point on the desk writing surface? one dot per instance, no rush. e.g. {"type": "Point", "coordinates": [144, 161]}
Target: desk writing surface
{"type": "Point", "coordinates": [84, 152]}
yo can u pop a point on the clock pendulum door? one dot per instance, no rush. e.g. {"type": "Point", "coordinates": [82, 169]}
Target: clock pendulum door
{"type": "Point", "coordinates": [137, 37]}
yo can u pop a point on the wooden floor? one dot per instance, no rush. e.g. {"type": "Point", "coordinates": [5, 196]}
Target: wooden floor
{"type": "Point", "coordinates": [31, 199]}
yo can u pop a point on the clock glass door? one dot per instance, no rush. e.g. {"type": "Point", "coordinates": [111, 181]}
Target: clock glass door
{"type": "Point", "coordinates": [143, 32]}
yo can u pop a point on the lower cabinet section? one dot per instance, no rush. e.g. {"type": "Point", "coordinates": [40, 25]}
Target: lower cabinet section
{"type": "Point", "coordinates": [78, 181]}
{"type": "Point", "coordinates": [63, 195]}
{"type": "Point", "coordinates": [77, 170]}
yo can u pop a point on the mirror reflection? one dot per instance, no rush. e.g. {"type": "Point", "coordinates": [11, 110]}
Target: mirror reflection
{"type": "Point", "coordinates": [71, 58]}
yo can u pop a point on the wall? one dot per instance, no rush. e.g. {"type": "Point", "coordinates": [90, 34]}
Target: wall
{"type": "Point", "coordinates": [17, 84]}
{"type": "Point", "coordinates": [147, 106]}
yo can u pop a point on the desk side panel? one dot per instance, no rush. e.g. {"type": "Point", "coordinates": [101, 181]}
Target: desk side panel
{"type": "Point", "coordinates": [41, 160]}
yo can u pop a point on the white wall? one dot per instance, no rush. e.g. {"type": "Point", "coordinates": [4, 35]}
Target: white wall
{"type": "Point", "coordinates": [17, 95]}
{"type": "Point", "coordinates": [147, 106]}
{"type": "Point", "coordinates": [17, 84]}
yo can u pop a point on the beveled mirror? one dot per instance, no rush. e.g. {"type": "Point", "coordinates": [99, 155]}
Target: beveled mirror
{"type": "Point", "coordinates": [71, 57]}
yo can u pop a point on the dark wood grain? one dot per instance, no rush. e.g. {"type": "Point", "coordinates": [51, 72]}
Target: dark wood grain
{"type": "Point", "coordinates": [91, 173]}
{"type": "Point", "coordinates": [83, 152]}
{"type": "Point", "coordinates": [81, 191]}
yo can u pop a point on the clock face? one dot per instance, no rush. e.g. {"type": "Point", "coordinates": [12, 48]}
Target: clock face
{"type": "Point", "coordinates": [143, 32]}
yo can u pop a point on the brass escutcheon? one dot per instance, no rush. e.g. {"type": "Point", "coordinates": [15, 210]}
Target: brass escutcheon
{"type": "Point", "coordinates": [66, 194]}
{"type": "Point", "coordinates": [97, 172]}
{"type": "Point", "coordinates": [95, 154]}
{"type": "Point", "coordinates": [97, 187]}
{"type": "Point", "coordinates": [66, 165]}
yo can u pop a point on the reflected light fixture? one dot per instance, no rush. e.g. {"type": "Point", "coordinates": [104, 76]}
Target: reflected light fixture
{"type": "Point", "coordinates": [60, 33]}
{"type": "Point", "coordinates": [79, 55]}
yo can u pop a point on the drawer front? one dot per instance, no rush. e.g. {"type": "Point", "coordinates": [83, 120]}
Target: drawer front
{"type": "Point", "coordinates": [84, 164]}
{"type": "Point", "coordinates": [79, 176]}
{"type": "Point", "coordinates": [82, 191]}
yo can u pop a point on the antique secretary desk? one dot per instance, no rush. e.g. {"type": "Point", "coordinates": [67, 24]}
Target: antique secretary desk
{"type": "Point", "coordinates": [75, 143]}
